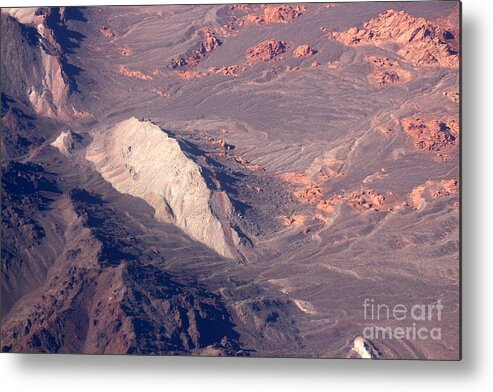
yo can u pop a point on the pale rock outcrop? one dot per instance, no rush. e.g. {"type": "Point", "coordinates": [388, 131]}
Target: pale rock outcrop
{"type": "Point", "coordinates": [49, 98]}
{"type": "Point", "coordinates": [26, 15]}
{"type": "Point", "coordinates": [295, 219]}
{"type": "Point", "coordinates": [365, 349]}
{"type": "Point", "coordinates": [305, 306]}
{"type": "Point", "coordinates": [65, 143]}
{"type": "Point", "coordinates": [139, 159]}
{"type": "Point", "coordinates": [40, 77]}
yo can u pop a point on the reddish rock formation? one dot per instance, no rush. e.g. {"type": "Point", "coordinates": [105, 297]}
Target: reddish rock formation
{"type": "Point", "coordinates": [420, 41]}
{"type": "Point", "coordinates": [297, 178]}
{"type": "Point", "coordinates": [242, 14]}
{"type": "Point", "coordinates": [308, 186]}
{"type": "Point", "coordinates": [189, 75]}
{"type": "Point", "coordinates": [304, 51]}
{"type": "Point", "coordinates": [446, 188]}
{"type": "Point", "coordinates": [125, 51]}
{"type": "Point", "coordinates": [107, 32]}
{"type": "Point", "coordinates": [322, 169]}
{"type": "Point", "coordinates": [209, 43]}
{"type": "Point", "coordinates": [306, 189]}
{"type": "Point", "coordinates": [161, 93]}
{"type": "Point", "coordinates": [436, 136]}
{"type": "Point", "coordinates": [366, 199]}
{"type": "Point", "coordinates": [265, 50]}
{"type": "Point", "coordinates": [240, 7]}
{"type": "Point", "coordinates": [282, 13]}
{"type": "Point", "coordinates": [362, 200]}
{"type": "Point", "coordinates": [452, 95]}
{"type": "Point", "coordinates": [309, 192]}
{"type": "Point", "coordinates": [129, 73]}
{"type": "Point", "coordinates": [386, 72]}
{"type": "Point", "coordinates": [232, 28]}
{"type": "Point", "coordinates": [432, 190]}
{"type": "Point", "coordinates": [386, 131]}
{"type": "Point", "coordinates": [309, 195]}
{"type": "Point", "coordinates": [227, 70]}
{"type": "Point", "coordinates": [448, 29]}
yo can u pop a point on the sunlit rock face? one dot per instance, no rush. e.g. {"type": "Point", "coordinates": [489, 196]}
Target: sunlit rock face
{"type": "Point", "coordinates": [140, 159]}
{"type": "Point", "coordinates": [40, 77]}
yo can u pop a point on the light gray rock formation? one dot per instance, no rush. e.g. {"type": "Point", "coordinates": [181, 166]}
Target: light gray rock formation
{"type": "Point", "coordinates": [139, 159]}
{"type": "Point", "coordinates": [365, 349]}
{"type": "Point", "coordinates": [65, 143]}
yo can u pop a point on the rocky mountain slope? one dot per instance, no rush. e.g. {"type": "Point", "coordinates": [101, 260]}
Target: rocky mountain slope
{"type": "Point", "coordinates": [32, 48]}
{"type": "Point", "coordinates": [101, 296]}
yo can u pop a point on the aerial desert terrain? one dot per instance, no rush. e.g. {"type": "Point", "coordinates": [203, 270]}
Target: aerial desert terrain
{"type": "Point", "coordinates": [231, 180]}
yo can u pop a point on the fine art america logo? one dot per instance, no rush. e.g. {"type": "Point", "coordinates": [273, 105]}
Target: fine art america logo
{"type": "Point", "coordinates": [407, 321]}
